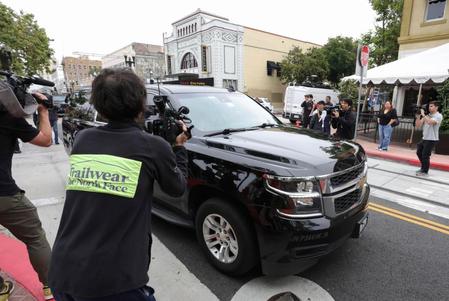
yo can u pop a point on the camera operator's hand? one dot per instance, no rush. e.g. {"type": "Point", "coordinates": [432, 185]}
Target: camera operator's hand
{"type": "Point", "coordinates": [41, 97]}
{"type": "Point", "coordinates": [182, 138]}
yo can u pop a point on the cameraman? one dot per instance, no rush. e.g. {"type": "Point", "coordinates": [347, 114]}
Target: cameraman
{"type": "Point", "coordinates": [17, 213]}
{"type": "Point", "coordinates": [103, 246]}
{"type": "Point", "coordinates": [431, 125]}
{"type": "Point", "coordinates": [344, 120]}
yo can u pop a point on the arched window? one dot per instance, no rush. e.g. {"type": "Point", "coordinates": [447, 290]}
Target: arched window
{"type": "Point", "coordinates": [194, 26]}
{"type": "Point", "coordinates": [188, 61]}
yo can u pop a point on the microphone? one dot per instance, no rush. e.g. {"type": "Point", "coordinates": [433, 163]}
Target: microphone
{"type": "Point", "coordinates": [41, 81]}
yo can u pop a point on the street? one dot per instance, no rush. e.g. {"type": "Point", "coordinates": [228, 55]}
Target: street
{"type": "Point", "coordinates": [402, 254]}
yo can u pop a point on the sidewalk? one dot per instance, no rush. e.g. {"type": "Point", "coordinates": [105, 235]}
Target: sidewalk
{"type": "Point", "coordinates": [403, 154]}
{"type": "Point", "coordinates": [15, 266]}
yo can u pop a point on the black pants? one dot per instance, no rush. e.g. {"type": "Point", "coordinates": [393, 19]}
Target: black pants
{"type": "Point", "coordinates": [424, 150]}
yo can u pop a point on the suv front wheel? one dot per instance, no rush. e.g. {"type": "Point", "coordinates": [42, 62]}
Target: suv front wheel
{"type": "Point", "coordinates": [226, 237]}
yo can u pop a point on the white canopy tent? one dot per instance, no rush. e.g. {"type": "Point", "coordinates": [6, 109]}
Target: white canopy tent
{"type": "Point", "coordinates": [428, 66]}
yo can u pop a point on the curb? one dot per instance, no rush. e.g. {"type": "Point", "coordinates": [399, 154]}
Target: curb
{"type": "Point", "coordinates": [383, 155]}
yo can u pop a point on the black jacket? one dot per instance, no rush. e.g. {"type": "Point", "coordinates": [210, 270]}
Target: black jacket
{"type": "Point", "coordinates": [345, 125]}
{"type": "Point", "coordinates": [103, 245]}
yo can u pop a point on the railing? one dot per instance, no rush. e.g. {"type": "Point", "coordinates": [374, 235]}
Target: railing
{"type": "Point", "coordinates": [404, 134]}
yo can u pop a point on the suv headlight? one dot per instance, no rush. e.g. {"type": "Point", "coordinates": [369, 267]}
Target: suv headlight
{"type": "Point", "coordinates": [302, 195]}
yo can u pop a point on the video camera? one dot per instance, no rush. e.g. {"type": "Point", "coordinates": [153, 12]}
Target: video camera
{"type": "Point", "coordinates": [332, 109]}
{"type": "Point", "coordinates": [166, 124]}
{"type": "Point", "coordinates": [416, 109]}
{"type": "Point", "coordinates": [14, 97]}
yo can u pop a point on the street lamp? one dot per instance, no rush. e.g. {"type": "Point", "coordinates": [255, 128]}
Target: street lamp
{"type": "Point", "coordinates": [151, 76]}
{"type": "Point", "coordinates": [130, 61]}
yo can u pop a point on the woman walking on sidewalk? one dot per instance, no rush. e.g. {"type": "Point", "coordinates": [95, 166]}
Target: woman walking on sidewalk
{"type": "Point", "coordinates": [387, 116]}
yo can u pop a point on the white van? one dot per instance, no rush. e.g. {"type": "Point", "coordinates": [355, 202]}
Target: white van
{"type": "Point", "coordinates": [294, 96]}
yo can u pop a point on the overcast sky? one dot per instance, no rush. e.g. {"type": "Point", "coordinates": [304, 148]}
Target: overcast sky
{"type": "Point", "coordinates": [104, 26]}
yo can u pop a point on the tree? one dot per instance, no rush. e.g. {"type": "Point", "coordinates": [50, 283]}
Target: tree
{"type": "Point", "coordinates": [29, 43]}
{"type": "Point", "coordinates": [349, 89]}
{"type": "Point", "coordinates": [340, 53]}
{"type": "Point", "coordinates": [299, 66]}
{"type": "Point", "coordinates": [383, 41]}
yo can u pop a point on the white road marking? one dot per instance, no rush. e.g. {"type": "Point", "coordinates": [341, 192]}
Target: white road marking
{"type": "Point", "coordinates": [412, 203]}
{"type": "Point", "coordinates": [263, 288]}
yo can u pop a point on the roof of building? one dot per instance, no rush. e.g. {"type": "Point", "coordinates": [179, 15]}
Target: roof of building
{"type": "Point", "coordinates": [146, 49]}
{"type": "Point", "coordinates": [199, 11]}
{"type": "Point", "coordinates": [275, 34]}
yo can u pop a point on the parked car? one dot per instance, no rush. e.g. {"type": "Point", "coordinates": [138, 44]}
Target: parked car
{"type": "Point", "coordinates": [60, 104]}
{"type": "Point", "coordinates": [260, 193]}
{"type": "Point", "coordinates": [265, 102]}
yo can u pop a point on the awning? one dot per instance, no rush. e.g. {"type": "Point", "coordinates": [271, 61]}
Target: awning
{"type": "Point", "coordinates": [428, 66]}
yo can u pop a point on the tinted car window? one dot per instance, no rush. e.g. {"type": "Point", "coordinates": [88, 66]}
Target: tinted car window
{"type": "Point", "coordinates": [217, 111]}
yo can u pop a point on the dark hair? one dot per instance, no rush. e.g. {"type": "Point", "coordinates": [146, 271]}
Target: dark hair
{"type": "Point", "coordinates": [118, 94]}
{"type": "Point", "coordinates": [435, 103]}
{"type": "Point", "coordinates": [310, 95]}
{"type": "Point", "coordinates": [347, 100]}
{"type": "Point", "coordinates": [321, 102]}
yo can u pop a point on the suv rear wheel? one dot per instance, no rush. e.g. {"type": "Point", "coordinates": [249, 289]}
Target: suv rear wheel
{"type": "Point", "coordinates": [226, 237]}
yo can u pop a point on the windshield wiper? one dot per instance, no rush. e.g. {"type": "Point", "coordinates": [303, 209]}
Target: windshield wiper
{"type": "Point", "coordinates": [228, 131]}
{"type": "Point", "coordinates": [264, 125]}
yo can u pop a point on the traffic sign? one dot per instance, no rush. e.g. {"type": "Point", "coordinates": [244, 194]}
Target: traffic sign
{"type": "Point", "coordinates": [364, 55]}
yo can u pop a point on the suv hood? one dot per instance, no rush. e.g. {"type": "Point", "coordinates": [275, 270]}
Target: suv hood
{"type": "Point", "coordinates": [286, 151]}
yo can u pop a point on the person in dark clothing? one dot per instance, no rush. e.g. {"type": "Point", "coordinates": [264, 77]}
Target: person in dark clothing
{"type": "Point", "coordinates": [318, 117]}
{"type": "Point", "coordinates": [307, 106]}
{"type": "Point", "coordinates": [344, 120]}
{"type": "Point", "coordinates": [53, 115]}
{"type": "Point", "coordinates": [102, 249]}
{"type": "Point", "coordinates": [17, 213]}
{"type": "Point", "coordinates": [385, 120]}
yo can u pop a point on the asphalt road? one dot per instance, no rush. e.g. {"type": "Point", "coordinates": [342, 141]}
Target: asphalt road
{"type": "Point", "coordinates": [393, 260]}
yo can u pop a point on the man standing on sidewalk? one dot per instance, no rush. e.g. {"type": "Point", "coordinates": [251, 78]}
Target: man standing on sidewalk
{"type": "Point", "coordinates": [17, 213]}
{"type": "Point", "coordinates": [431, 125]}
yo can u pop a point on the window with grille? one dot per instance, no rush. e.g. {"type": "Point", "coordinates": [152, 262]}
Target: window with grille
{"type": "Point", "coordinates": [188, 61]}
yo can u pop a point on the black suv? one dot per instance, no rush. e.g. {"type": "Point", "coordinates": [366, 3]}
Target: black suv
{"type": "Point", "coordinates": [259, 192]}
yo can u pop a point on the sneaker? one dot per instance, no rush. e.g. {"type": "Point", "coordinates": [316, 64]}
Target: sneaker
{"type": "Point", "coordinates": [422, 174]}
{"type": "Point", "coordinates": [48, 295]}
{"type": "Point", "coordinates": [6, 290]}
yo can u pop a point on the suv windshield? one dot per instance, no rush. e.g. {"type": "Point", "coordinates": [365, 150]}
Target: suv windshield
{"type": "Point", "coordinates": [214, 112]}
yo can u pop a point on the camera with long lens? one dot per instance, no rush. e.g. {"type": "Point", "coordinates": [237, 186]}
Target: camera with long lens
{"type": "Point", "coordinates": [167, 122]}
{"type": "Point", "coordinates": [14, 96]}
{"type": "Point", "coordinates": [416, 109]}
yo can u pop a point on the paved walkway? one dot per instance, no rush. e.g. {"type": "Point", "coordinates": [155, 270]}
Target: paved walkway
{"type": "Point", "coordinates": [404, 154]}
{"type": "Point", "coordinates": [15, 266]}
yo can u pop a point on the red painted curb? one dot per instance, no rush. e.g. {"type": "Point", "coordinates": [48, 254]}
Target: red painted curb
{"type": "Point", "coordinates": [15, 262]}
{"type": "Point", "coordinates": [385, 155]}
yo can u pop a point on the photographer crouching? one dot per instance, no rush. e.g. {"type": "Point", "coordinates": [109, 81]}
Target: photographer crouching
{"type": "Point", "coordinates": [103, 246]}
{"type": "Point", "coordinates": [343, 120]}
{"type": "Point", "coordinates": [17, 213]}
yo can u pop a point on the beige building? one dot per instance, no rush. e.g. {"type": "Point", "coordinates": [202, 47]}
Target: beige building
{"type": "Point", "coordinates": [424, 25]}
{"type": "Point", "coordinates": [79, 72]}
{"type": "Point", "coordinates": [262, 54]}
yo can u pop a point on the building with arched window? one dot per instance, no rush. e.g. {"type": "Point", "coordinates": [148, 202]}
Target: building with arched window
{"type": "Point", "coordinates": [208, 49]}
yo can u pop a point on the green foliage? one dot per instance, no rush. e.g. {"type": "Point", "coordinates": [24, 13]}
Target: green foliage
{"type": "Point", "coordinates": [29, 43]}
{"type": "Point", "coordinates": [443, 98]}
{"type": "Point", "coordinates": [349, 89]}
{"type": "Point", "coordinates": [299, 66]}
{"type": "Point", "coordinates": [383, 41]}
{"type": "Point", "coordinates": [340, 53]}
